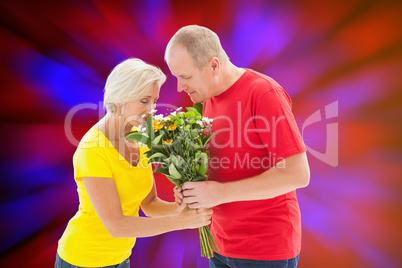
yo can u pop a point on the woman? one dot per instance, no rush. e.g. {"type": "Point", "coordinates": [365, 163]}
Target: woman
{"type": "Point", "coordinates": [114, 179]}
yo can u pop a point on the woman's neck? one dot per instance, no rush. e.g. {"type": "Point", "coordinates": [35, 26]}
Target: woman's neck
{"type": "Point", "coordinates": [114, 127]}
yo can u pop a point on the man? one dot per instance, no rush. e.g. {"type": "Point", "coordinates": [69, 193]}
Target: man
{"type": "Point", "coordinates": [257, 157]}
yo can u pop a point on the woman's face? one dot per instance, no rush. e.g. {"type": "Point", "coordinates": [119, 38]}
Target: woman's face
{"type": "Point", "coordinates": [134, 110]}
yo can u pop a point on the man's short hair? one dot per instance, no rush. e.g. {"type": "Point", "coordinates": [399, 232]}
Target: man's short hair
{"type": "Point", "coordinates": [201, 43]}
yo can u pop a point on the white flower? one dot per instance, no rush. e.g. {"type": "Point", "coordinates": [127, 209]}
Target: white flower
{"type": "Point", "coordinates": [199, 122]}
{"type": "Point", "coordinates": [179, 109]}
{"type": "Point", "coordinates": [159, 117]}
{"type": "Point", "coordinates": [207, 120]}
{"type": "Point", "coordinates": [141, 129]}
{"type": "Point", "coordinates": [173, 114]}
{"type": "Point", "coordinates": [143, 116]}
{"type": "Point", "coordinates": [166, 119]}
{"type": "Point", "coordinates": [153, 111]}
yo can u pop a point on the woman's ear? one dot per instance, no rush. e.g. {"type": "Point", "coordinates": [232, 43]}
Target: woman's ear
{"type": "Point", "coordinates": [118, 108]}
{"type": "Point", "coordinates": [113, 108]}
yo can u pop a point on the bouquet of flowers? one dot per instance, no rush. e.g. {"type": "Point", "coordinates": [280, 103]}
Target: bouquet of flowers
{"type": "Point", "coordinates": [178, 143]}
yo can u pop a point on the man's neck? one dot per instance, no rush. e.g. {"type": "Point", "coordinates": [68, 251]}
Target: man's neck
{"type": "Point", "coordinates": [229, 75]}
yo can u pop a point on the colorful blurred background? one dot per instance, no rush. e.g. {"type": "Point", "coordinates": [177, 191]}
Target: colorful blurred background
{"type": "Point", "coordinates": [340, 61]}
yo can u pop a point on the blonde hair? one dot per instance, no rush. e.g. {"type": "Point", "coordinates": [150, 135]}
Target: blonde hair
{"type": "Point", "coordinates": [201, 43]}
{"type": "Point", "coordinates": [129, 81]}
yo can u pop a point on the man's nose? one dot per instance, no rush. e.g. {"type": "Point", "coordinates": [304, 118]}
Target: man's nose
{"type": "Point", "coordinates": [180, 86]}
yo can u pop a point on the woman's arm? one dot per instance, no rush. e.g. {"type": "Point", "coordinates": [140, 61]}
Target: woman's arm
{"type": "Point", "coordinates": [153, 206]}
{"type": "Point", "coordinates": [105, 199]}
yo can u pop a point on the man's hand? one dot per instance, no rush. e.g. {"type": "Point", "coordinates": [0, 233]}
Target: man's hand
{"type": "Point", "coordinates": [201, 194]}
{"type": "Point", "coordinates": [178, 196]}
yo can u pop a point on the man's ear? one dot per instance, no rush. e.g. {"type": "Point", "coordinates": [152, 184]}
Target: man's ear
{"type": "Point", "coordinates": [215, 65]}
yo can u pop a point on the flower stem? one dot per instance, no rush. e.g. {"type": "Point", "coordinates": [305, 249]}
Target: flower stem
{"type": "Point", "coordinates": [212, 238]}
{"type": "Point", "coordinates": [206, 245]}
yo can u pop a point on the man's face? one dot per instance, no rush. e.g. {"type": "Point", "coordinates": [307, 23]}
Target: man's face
{"type": "Point", "coordinates": [190, 79]}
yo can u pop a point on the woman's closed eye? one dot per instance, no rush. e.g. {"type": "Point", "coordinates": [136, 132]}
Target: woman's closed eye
{"type": "Point", "coordinates": [146, 101]}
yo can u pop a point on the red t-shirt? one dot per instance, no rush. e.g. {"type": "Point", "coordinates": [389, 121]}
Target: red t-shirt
{"type": "Point", "coordinates": [254, 128]}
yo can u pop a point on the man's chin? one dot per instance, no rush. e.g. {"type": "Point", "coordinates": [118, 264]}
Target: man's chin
{"type": "Point", "coordinates": [196, 99]}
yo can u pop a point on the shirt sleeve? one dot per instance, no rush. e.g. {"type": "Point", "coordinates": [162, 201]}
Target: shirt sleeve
{"type": "Point", "coordinates": [91, 162]}
{"type": "Point", "coordinates": [277, 126]}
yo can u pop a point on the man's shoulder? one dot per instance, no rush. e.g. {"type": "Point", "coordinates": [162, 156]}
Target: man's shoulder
{"type": "Point", "coordinates": [260, 79]}
{"type": "Point", "coordinates": [260, 84]}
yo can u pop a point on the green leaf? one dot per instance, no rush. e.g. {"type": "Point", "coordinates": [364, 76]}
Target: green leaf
{"type": "Point", "coordinates": [173, 172]}
{"type": "Point", "coordinates": [158, 155]}
{"type": "Point", "coordinates": [193, 133]}
{"type": "Point", "coordinates": [191, 109]}
{"type": "Point", "coordinates": [189, 114]}
{"type": "Point", "coordinates": [148, 154]}
{"type": "Point", "coordinates": [136, 136]}
{"type": "Point", "coordinates": [198, 107]}
{"type": "Point", "coordinates": [200, 178]}
{"type": "Point", "coordinates": [162, 170]}
{"type": "Point", "coordinates": [177, 160]}
{"type": "Point", "coordinates": [187, 127]}
{"type": "Point", "coordinates": [150, 128]}
{"type": "Point", "coordinates": [173, 180]}
{"type": "Point", "coordinates": [162, 149]}
{"type": "Point", "coordinates": [156, 160]}
{"type": "Point", "coordinates": [206, 139]}
{"type": "Point", "coordinates": [179, 122]}
{"type": "Point", "coordinates": [157, 139]}
{"type": "Point", "coordinates": [203, 164]}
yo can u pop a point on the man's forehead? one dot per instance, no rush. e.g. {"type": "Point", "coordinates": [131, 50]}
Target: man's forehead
{"type": "Point", "coordinates": [180, 64]}
{"type": "Point", "coordinates": [179, 53]}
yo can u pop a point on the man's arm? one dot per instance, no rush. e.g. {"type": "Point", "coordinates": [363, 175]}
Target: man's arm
{"type": "Point", "coordinates": [288, 175]}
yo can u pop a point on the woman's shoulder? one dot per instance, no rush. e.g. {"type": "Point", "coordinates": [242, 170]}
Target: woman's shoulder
{"type": "Point", "coordinates": [94, 138]}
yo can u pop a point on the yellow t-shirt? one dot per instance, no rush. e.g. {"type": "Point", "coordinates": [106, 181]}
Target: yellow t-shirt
{"type": "Point", "coordinates": [86, 242]}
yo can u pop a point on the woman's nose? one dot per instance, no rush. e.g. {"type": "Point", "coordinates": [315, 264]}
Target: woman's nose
{"type": "Point", "coordinates": [151, 107]}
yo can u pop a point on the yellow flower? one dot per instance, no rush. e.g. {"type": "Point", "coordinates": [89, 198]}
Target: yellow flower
{"type": "Point", "coordinates": [157, 125]}
{"type": "Point", "coordinates": [134, 128]}
{"type": "Point", "coordinates": [172, 127]}
{"type": "Point", "coordinates": [168, 142]}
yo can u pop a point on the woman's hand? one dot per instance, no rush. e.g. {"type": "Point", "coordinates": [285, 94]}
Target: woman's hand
{"type": "Point", "coordinates": [192, 218]}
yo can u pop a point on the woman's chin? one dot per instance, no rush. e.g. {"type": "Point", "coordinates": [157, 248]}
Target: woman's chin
{"type": "Point", "coordinates": [141, 122]}
{"type": "Point", "coordinates": [136, 123]}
